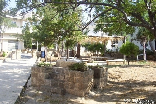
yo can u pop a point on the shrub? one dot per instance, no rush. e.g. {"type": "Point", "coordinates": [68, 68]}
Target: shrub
{"type": "Point", "coordinates": [43, 64]}
{"type": "Point", "coordinates": [78, 67]}
{"type": "Point", "coordinates": [93, 47]}
{"type": "Point", "coordinates": [4, 54]}
{"type": "Point", "coordinates": [129, 49]}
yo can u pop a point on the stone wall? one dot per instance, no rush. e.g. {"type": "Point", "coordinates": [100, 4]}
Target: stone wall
{"type": "Point", "coordinates": [100, 77]}
{"type": "Point", "coordinates": [78, 83]}
{"type": "Point", "coordinates": [61, 80]}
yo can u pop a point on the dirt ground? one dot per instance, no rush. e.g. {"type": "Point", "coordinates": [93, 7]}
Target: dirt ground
{"type": "Point", "coordinates": [126, 84]}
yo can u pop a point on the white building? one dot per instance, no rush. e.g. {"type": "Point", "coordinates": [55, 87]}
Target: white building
{"type": "Point", "coordinates": [132, 38]}
{"type": "Point", "coordinates": [9, 36]}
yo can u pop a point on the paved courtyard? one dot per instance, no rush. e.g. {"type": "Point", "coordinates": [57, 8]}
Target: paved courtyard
{"type": "Point", "coordinates": [13, 76]}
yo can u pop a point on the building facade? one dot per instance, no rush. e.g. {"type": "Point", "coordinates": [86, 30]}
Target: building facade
{"type": "Point", "coordinates": [9, 37]}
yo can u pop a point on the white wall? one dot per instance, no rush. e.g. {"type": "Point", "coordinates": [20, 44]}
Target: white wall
{"type": "Point", "coordinates": [21, 45]}
{"type": "Point", "coordinates": [5, 45]}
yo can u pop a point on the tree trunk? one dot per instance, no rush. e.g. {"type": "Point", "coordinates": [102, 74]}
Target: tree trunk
{"type": "Point", "coordinates": [128, 59]}
{"type": "Point", "coordinates": [67, 53]}
{"type": "Point", "coordinates": [78, 50]}
{"type": "Point", "coordinates": [58, 52]}
{"type": "Point", "coordinates": [144, 46]}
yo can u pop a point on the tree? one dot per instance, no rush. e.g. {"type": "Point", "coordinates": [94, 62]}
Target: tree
{"type": "Point", "coordinates": [129, 49]}
{"type": "Point", "coordinates": [27, 36]}
{"type": "Point", "coordinates": [95, 47]}
{"type": "Point", "coordinates": [122, 13]}
{"type": "Point", "coordinates": [144, 35]}
{"type": "Point", "coordinates": [125, 15]}
{"type": "Point", "coordinates": [49, 30]}
{"type": "Point", "coordinates": [3, 4]}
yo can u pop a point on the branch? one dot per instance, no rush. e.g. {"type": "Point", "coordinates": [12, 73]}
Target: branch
{"type": "Point", "coordinates": [95, 18]}
{"type": "Point", "coordinates": [139, 17]}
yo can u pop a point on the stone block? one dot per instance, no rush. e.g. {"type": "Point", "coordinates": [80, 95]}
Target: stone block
{"type": "Point", "coordinates": [61, 84]}
{"type": "Point", "coordinates": [70, 79]}
{"type": "Point", "coordinates": [33, 82]}
{"type": "Point", "coordinates": [97, 73]}
{"type": "Point", "coordinates": [54, 83]}
{"type": "Point", "coordinates": [46, 90]}
{"type": "Point", "coordinates": [47, 82]}
{"type": "Point", "coordinates": [34, 69]}
{"type": "Point", "coordinates": [34, 75]}
{"type": "Point", "coordinates": [64, 63]}
{"type": "Point", "coordinates": [100, 77]}
{"type": "Point", "coordinates": [41, 75]}
{"type": "Point", "coordinates": [79, 93]}
{"type": "Point", "coordinates": [67, 73]}
{"type": "Point", "coordinates": [79, 74]}
{"type": "Point", "coordinates": [58, 90]}
{"type": "Point", "coordinates": [61, 77]}
{"type": "Point", "coordinates": [41, 81]}
{"type": "Point", "coordinates": [79, 79]}
{"type": "Point", "coordinates": [81, 83]}
{"type": "Point", "coordinates": [67, 85]}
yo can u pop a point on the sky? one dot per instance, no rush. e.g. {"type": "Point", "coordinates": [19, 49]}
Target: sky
{"type": "Point", "coordinates": [12, 3]}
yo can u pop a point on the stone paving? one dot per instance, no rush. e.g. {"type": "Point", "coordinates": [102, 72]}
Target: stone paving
{"type": "Point", "coordinates": [13, 76]}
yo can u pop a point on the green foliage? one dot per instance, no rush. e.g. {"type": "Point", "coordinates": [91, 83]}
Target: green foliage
{"type": "Point", "coordinates": [55, 27]}
{"type": "Point", "coordinates": [70, 43]}
{"type": "Point", "coordinates": [93, 47]}
{"type": "Point", "coordinates": [112, 16]}
{"type": "Point", "coordinates": [78, 67]}
{"type": "Point", "coordinates": [27, 36]}
{"type": "Point", "coordinates": [43, 64]}
{"type": "Point", "coordinates": [148, 52]}
{"type": "Point", "coordinates": [3, 4]}
{"type": "Point", "coordinates": [144, 33]}
{"type": "Point", "coordinates": [4, 54]}
{"type": "Point", "coordinates": [97, 66]}
{"type": "Point", "coordinates": [129, 49]}
{"type": "Point", "coordinates": [125, 16]}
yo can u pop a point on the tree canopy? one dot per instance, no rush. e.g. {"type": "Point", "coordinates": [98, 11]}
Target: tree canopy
{"type": "Point", "coordinates": [3, 11]}
{"type": "Point", "coordinates": [110, 15]}
{"type": "Point", "coordinates": [49, 30]}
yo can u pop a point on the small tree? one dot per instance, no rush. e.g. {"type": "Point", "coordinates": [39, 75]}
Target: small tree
{"type": "Point", "coordinates": [129, 49]}
{"type": "Point", "coordinates": [95, 47]}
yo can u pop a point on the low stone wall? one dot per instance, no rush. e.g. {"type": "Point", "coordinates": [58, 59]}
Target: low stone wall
{"type": "Point", "coordinates": [100, 77]}
{"type": "Point", "coordinates": [61, 80]}
{"type": "Point", "coordinates": [78, 83]}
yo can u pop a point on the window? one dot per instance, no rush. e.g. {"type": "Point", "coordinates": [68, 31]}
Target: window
{"type": "Point", "coordinates": [13, 22]}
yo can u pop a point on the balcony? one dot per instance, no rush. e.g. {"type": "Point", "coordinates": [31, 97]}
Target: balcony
{"type": "Point", "coordinates": [13, 31]}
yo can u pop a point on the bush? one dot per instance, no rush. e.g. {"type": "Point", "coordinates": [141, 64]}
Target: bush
{"type": "Point", "coordinates": [93, 47]}
{"type": "Point", "coordinates": [43, 64]}
{"type": "Point", "coordinates": [129, 49]}
{"type": "Point", "coordinates": [4, 54]}
{"type": "Point", "coordinates": [78, 67]}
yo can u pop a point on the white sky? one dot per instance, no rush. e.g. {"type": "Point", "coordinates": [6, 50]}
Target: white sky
{"type": "Point", "coordinates": [12, 3]}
